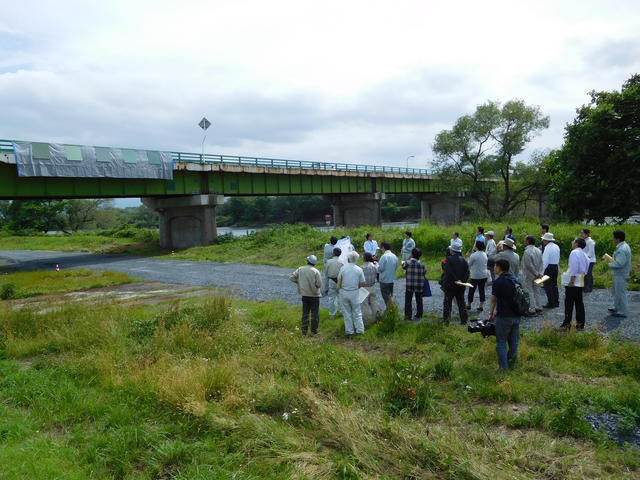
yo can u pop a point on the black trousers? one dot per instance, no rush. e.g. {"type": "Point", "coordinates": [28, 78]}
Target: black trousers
{"type": "Point", "coordinates": [386, 290]}
{"type": "Point", "coordinates": [449, 295]}
{"type": "Point", "coordinates": [408, 297]}
{"type": "Point", "coordinates": [551, 286]}
{"type": "Point", "coordinates": [588, 279]}
{"type": "Point", "coordinates": [480, 283]}
{"type": "Point", "coordinates": [310, 307]}
{"type": "Point", "coordinates": [573, 297]}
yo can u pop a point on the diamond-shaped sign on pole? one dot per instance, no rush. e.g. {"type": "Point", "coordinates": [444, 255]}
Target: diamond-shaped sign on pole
{"type": "Point", "coordinates": [204, 123]}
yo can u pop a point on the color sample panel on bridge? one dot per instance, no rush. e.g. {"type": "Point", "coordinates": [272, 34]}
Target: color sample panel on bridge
{"type": "Point", "coordinates": [75, 161]}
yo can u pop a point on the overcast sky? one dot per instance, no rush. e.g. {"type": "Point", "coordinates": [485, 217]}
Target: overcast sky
{"type": "Point", "coordinates": [351, 81]}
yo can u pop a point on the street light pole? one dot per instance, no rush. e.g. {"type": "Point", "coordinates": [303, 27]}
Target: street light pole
{"type": "Point", "coordinates": [410, 156]}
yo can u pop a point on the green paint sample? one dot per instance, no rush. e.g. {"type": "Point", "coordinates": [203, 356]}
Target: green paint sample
{"type": "Point", "coordinates": [154, 158]}
{"type": "Point", "coordinates": [103, 154]}
{"type": "Point", "coordinates": [40, 150]}
{"type": "Point", "coordinates": [74, 153]}
{"type": "Point", "coordinates": [129, 156]}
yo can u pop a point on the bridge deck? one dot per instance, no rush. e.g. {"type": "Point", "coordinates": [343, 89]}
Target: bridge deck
{"type": "Point", "coordinates": [225, 175]}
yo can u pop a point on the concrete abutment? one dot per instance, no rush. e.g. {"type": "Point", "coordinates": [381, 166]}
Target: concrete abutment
{"type": "Point", "coordinates": [356, 209]}
{"type": "Point", "coordinates": [441, 208]}
{"type": "Point", "coordinates": [186, 221]}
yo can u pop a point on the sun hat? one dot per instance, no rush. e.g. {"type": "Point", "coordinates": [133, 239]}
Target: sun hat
{"type": "Point", "coordinates": [509, 243]}
{"type": "Point", "coordinates": [312, 259]}
{"type": "Point", "coordinates": [490, 233]}
{"type": "Point", "coordinates": [548, 237]}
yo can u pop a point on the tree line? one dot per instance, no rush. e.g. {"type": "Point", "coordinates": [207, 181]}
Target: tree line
{"type": "Point", "coordinates": [595, 174]}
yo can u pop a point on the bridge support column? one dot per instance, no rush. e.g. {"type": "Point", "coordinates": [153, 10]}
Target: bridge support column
{"type": "Point", "coordinates": [188, 221]}
{"type": "Point", "coordinates": [441, 208]}
{"type": "Point", "coordinates": [356, 209]}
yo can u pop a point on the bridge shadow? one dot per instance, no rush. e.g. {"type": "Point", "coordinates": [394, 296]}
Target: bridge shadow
{"type": "Point", "coordinates": [67, 261]}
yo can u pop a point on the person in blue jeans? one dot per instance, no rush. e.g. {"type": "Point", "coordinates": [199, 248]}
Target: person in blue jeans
{"type": "Point", "coordinates": [504, 314]}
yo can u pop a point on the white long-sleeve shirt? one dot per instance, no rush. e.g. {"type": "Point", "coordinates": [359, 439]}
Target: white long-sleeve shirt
{"type": "Point", "coordinates": [590, 249]}
{"type": "Point", "coordinates": [371, 246]}
{"type": "Point", "coordinates": [551, 255]}
{"type": "Point", "coordinates": [578, 262]}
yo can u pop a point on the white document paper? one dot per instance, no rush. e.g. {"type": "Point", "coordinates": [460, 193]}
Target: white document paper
{"type": "Point", "coordinates": [345, 245]}
{"type": "Point", "coordinates": [607, 258]}
{"type": "Point", "coordinates": [541, 280]}
{"type": "Point", "coordinates": [363, 293]}
{"type": "Point", "coordinates": [462, 284]}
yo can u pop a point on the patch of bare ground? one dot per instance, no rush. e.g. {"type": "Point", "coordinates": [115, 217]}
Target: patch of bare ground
{"type": "Point", "coordinates": [146, 293]}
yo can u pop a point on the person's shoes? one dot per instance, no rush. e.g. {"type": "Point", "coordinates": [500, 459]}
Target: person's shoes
{"type": "Point", "coordinates": [480, 308]}
{"type": "Point", "coordinates": [469, 307]}
{"type": "Point", "coordinates": [417, 318]}
{"type": "Point", "coordinates": [315, 333]}
{"type": "Point", "coordinates": [349, 336]}
{"type": "Point", "coordinates": [557, 305]}
{"type": "Point", "coordinates": [530, 314]}
{"type": "Point", "coordinates": [547, 306]}
{"type": "Point", "coordinates": [407, 319]}
{"type": "Point", "coordinates": [618, 315]}
{"type": "Point", "coordinates": [564, 328]}
{"type": "Point", "coordinates": [445, 321]}
{"type": "Point", "coordinates": [539, 310]}
{"type": "Point", "coordinates": [612, 310]}
{"type": "Point", "coordinates": [580, 329]}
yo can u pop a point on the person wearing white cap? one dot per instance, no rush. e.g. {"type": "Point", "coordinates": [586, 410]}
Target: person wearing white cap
{"type": "Point", "coordinates": [309, 282]}
{"type": "Point", "coordinates": [508, 253]}
{"type": "Point", "coordinates": [550, 261]}
{"type": "Point", "coordinates": [350, 279]}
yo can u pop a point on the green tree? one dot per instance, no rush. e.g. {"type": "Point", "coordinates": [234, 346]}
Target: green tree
{"type": "Point", "coordinates": [36, 215]}
{"type": "Point", "coordinates": [480, 150]}
{"type": "Point", "coordinates": [81, 213]}
{"type": "Point", "coordinates": [596, 173]}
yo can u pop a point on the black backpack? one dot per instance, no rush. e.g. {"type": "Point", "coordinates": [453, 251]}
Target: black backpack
{"type": "Point", "coordinates": [521, 300]}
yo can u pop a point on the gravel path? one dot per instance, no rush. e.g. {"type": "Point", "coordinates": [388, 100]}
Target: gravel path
{"type": "Point", "coordinates": [260, 282]}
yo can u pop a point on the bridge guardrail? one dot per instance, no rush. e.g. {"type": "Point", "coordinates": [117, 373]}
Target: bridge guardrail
{"type": "Point", "coordinates": [7, 146]}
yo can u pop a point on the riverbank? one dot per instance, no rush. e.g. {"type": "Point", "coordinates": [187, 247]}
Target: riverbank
{"type": "Point", "coordinates": [288, 245]}
{"type": "Point", "coordinates": [218, 387]}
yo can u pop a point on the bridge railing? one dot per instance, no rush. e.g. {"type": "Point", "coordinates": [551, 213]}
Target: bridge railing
{"type": "Point", "coordinates": [7, 146]}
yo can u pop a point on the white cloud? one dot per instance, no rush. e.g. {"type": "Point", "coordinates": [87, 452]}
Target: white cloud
{"type": "Point", "coordinates": [361, 82]}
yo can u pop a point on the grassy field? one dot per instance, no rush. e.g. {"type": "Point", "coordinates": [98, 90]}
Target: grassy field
{"type": "Point", "coordinates": [288, 245]}
{"type": "Point", "coordinates": [29, 284]}
{"type": "Point", "coordinates": [218, 388]}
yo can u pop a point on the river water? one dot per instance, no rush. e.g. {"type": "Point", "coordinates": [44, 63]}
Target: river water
{"type": "Point", "coordinates": [244, 231]}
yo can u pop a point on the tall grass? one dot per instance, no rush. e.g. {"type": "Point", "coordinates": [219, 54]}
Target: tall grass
{"type": "Point", "coordinates": [214, 388]}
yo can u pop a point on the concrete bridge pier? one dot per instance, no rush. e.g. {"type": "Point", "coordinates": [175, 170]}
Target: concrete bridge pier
{"type": "Point", "coordinates": [186, 221]}
{"type": "Point", "coordinates": [356, 209]}
{"type": "Point", "coordinates": [441, 208]}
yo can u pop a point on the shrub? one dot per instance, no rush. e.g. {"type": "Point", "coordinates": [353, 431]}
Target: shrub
{"type": "Point", "coordinates": [408, 389]}
{"type": "Point", "coordinates": [8, 291]}
{"type": "Point", "coordinates": [569, 421]}
{"type": "Point", "coordinates": [389, 320]}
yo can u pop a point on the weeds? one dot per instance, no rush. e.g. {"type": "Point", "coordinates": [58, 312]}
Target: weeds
{"type": "Point", "coordinates": [200, 389]}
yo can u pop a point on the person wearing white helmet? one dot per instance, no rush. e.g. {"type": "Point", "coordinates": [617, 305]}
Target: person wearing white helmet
{"type": "Point", "coordinates": [350, 279]}
{"type": "Point", "coordinates": [309, 282]}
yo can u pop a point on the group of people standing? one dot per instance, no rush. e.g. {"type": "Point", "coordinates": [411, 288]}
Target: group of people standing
{"type": "Point", "coordinates": [345, 283]}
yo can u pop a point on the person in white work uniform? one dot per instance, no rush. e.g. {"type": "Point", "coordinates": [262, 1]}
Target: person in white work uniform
{"type": "Point", "coordinates": [371, 246]}
{"type": "Point", "coordinates": [590, 250]}
{"type": "Point", "coordinates": [333, 267]}
{"type": "Point", "coordinates": [326, 256]}
{"type": "Point", "coordinates": [408, 244]}
{"type": "Point", "coordinates": [350, 279]}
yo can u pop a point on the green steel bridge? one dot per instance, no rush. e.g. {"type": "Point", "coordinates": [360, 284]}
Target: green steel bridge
{"type": "Point", "coordinates": [224, 175]}
{"type": "Point", "coordinates": [201, 180]}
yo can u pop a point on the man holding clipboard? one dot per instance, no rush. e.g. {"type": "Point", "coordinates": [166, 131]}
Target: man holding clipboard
{"type": "Point", "coordinates": [573, 281]}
